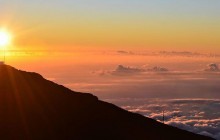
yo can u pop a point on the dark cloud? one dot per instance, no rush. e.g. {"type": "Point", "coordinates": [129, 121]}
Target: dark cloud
{"type": "Point", "coordinates": [120, 70]}
{"type": "Point", "coordinates": [157, 82]}
{"type": "Point", "coordinates": [170, 53]}
{"type": "Point", "coordinates": [157, 69]}
{"type": "Point", "coordinates": [128, 70]}
{"type": "Point", "coordinates": [138, 82]}
{"type": "Point", "coordinates": [183, 53]}
{"type": "Point", "coordinates": [213, 68]}
{"type": "Point", "coordinates": [126, 52]}
{"type": "Point", "coordinates": [188, 54]}
{"type": "Point", "coordinates": [125, 70]}
{"type": "Point", "coordinates": [145, 69]}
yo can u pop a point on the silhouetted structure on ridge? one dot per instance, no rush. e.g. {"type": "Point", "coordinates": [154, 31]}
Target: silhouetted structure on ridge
{"type": "Point", "coordinates": [163, 118]}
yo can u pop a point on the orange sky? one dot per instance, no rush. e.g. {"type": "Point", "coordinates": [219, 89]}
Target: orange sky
{"type": "Point", "coordinates": [139, 25]}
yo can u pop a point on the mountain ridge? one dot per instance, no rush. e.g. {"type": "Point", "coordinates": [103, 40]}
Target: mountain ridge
{"type": "Point", "coordinates": [34, 108]}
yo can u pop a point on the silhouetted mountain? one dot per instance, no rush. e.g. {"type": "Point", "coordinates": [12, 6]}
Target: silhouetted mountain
{"type": "Point", "coordinates": [33, 108]}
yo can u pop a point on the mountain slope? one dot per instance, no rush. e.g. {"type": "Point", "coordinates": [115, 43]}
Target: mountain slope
{"type": "Point", "coordinates": [37, 109]}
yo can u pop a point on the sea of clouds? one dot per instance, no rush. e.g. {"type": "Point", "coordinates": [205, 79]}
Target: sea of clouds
{"type": "Point", "coordinates": [201, 116]}
{"type": "Point", "coordinates": [190, 99]}
{"type": "Point", "coordinates": [187, 100]}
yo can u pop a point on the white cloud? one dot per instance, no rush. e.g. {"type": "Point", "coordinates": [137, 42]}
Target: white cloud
{"type": "Point", "coordinates": [201, 116]}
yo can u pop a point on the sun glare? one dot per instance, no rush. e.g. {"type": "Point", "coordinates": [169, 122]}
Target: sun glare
{"type": "Point", "coordinates": [5, 38]}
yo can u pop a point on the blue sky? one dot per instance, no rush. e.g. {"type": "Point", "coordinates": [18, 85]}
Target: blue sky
{"type": "Point", "coordinates": [158, 7]}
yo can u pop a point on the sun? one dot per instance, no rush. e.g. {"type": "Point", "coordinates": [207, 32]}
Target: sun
{"type": "Point", "coordinates": [5, 38]}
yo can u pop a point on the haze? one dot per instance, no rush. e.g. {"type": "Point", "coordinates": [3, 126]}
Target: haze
{"type": "Point", "coordinates": [136, 54]}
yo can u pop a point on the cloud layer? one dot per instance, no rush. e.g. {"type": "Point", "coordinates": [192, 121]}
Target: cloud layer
{"type": "Point", "coordinates": [213, 68]}
{"type": "Point", "coordinates": [200, 116]}
{"type": "Point", "coordinates": [169, 53]}
{"type": "Point", "coordinates": [121, 70]}
{"type": "Point", "coordinates": [151, 82]}
{"type": "Point", "coordinates": [187, 97]}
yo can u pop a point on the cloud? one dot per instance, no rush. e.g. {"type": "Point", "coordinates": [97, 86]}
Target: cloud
{"type": "Point", "coordinates": [191, 109]}
{"type": "Point", "coordinates": [171, 84]}
{"type": "Point", "coordinates": [181, 53]}
{"type": "Point", "coordinates": [188, 54]}
{"type": "Point", "coordinates": [200, 116]}
{"type": "Point", "coordinates": [157, 82]}
{"type": "Point", "coordinates": [203, 127]}
{"type": "Point", "coordinates": [169, 53]}
{"type": "Point", "coordinates": [121, 69]}
{"type": "Point", "coordinates": [157, 69]}
{"type": "Point", "coordinates": [126, 52]}
{"type": "Point", "coordinates": [100, 72]}
{"type": "Point", "coordinates": [146, 69]}
{"type": "Point", "coordinates": [213, 68]}
{"type": "Point", "coordinates": [127, 70]}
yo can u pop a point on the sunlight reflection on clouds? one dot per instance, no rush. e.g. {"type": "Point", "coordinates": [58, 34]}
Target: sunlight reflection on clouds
{"type": "Point", "coordinates": [200, 116]}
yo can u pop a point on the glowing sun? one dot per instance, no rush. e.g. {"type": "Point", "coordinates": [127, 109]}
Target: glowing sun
{"type": "Point", "coordinates": [5, 38]}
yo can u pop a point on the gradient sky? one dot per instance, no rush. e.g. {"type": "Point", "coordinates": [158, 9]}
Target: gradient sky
{"type": "Point", "coordinates": [143, 24]}
{"type": "Point", "coordinates": [80, 43]}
